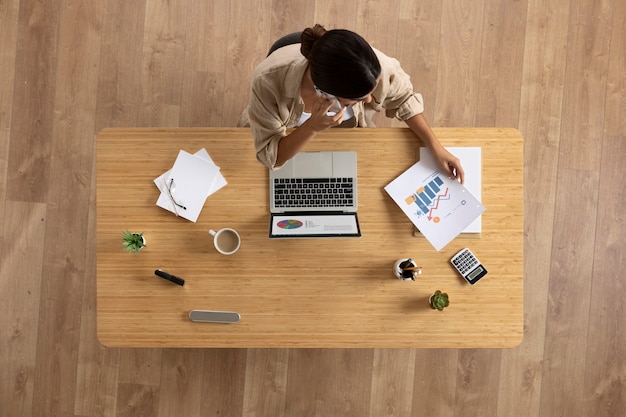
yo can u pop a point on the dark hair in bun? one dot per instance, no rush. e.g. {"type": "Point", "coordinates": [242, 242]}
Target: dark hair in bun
{"type": "Point", "coordinates": [342, 63]}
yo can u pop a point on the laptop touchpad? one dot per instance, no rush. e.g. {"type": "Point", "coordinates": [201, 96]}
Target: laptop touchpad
{"type": "Point", "coordinates": [313, 165]}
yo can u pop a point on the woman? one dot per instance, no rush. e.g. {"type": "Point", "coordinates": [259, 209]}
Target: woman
{"type": "Point", "coordinates": [331, 78]}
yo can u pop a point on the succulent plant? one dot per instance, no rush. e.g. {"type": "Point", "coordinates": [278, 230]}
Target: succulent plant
{"type": "Point", "coordinates": [439, 300]}
{"type": "Point", "coordinates": [133, 242]}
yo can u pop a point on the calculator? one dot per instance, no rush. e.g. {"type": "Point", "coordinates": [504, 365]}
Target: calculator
{"type": "Point", "coordinates": [468, 266]}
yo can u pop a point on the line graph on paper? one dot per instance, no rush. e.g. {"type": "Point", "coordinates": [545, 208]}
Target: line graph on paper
{"type": "Point", "coordinates": [438, 206]}
{"type": "Point", "coordinates": [428, 198]}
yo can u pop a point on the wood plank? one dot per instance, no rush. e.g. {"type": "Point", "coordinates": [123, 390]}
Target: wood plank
{"type": "Point", "coordinates": [21, 246]}
{"type": "Point", "coordinates": [604, 371]}
{"type": "Point", "coordinates": [585, 79]}
{"type": "Point", "coordinates": [329, 382]}
{"type": "Point", "coordinates": [539, 119]}
{"type": "Point", "coordinates": [369, 17]}
{"type": "Point", "coordinates": [477, 382]}
{"type": "Point", "coordinates": [434, 386]}
{"type": "Point", "coordinates": [141, 366]}
{"type": "Point", "coordinates": [159, 115]}
{"type": "Point", "coordinates": [181, 384]}
{"type": "Point", "coordinates": [418, 47]}
{"type": "Point", "coordinates": [605, 368]}
{"type": "Point", "coordinates": [266, 382]}
{"type": "Point", "coordinates": [204, 73]}
{"type": "Point", "coordinates": [70, 190]}
{"type": "Point", "coordinates": [139, 382]}
{"type": "Point", "coordinates": [542, 97]}
{"type": "Point", "coordinates": [289, 17]}
{"type": "Point", "coordinates": [245, 49]}
{"type": "Point", "coordinates": [459, 63]}
{"type": "Point", "coordinates": [98, 367]}
{"type": "Point", "coordinates": [392, 378]}
{"type": "Point", "coordinates": [162, 63]}
{"type": "Point", "coordinates": [9, 16]}
{"type": "Point", "coordinates": [119, 94]}
{"type": "Point", "coordinates": [223, 384]}
{"type": "Point", "coordinates": [569, 298]}
{"type": "Point", "coordinates": [35, 77]}
{"type": "Point", "coordinates": [137, 400]}
{"type": "Point", "coordinates": [97, 384]}
{"type": "Point", "coordinates": [521, 368]}
{"type": "Point", "coordinates": [163, 52]}
{"type": "Point", "coordinates": [501, 65]}
{"type": "Point", "coordinates": [334, 14]}
{"type": "Point", "coordinates": [577, 186]}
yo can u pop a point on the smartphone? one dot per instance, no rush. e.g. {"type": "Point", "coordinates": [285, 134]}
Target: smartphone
{"type": "Point", "coordinates": [336, 107]}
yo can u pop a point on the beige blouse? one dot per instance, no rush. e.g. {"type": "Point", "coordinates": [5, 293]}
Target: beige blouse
{"type": "Point", "coordinates": [275, 103]}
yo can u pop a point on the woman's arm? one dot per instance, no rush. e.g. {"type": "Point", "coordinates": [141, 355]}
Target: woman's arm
{"type": "Point", "coordinates": [319, 121]}
{"type": "Point", "coordinates": [450, 163]}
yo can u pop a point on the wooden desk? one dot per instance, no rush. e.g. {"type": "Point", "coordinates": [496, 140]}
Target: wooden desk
{"type": "Point", "coordinates": [300, 293]}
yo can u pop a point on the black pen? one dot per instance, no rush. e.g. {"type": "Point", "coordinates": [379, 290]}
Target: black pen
{"type": "Point", "coordinates": [170, 277]}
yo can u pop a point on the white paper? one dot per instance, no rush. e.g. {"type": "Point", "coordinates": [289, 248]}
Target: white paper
{"type": "Point", "coordinates": [195, 177]}
{"type": "Point", "coordinates": [219, 181]}
{"type": "Point", "coordinates": [438, 206]}
{"type": "Point", "coordinates": [471, 160]}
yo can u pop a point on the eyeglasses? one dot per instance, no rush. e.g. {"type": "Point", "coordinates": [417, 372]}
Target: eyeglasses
{"type": "Point", "coordinates": [170, 189]}
{"type": "Point", "coordinates": [337, 106]}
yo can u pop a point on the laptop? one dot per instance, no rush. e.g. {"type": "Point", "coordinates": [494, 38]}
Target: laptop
{"type": "Point", "coordinates": [315, 195]}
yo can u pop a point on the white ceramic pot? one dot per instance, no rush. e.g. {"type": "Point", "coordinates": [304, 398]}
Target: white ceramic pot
{"type": "Point", "coordinates": [405, 275]}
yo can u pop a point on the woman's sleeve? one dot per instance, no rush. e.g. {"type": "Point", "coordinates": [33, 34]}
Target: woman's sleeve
{"type": "Point", "coordinates": [395, 91]}
{"type": "Point", "coordinates": [265, 123]}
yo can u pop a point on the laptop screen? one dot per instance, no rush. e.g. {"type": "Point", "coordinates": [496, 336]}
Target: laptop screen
{"type": "Point", "coordinates": [302, 225]}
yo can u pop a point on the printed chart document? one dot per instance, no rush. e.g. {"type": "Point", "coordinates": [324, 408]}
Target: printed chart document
{"type": "Point", "coordinates": [471, 158]}
{"type": "Point", "coordinates": [438, 206]}
{"type": "Point", "coordinates": [185, 187]}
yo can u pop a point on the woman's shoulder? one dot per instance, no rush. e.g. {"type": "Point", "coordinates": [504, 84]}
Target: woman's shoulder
{"type": "Point", "coordinates": [386, 61]}
{"type": "Point", "coordinates": [283, 60]}
{"type": "Point", "coordinates": [281, 71]}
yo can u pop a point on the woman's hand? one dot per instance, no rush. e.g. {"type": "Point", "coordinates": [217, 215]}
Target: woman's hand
{"type": "Point", "coordinates": [320, 119]}
{"type": "Point", "coordinates": [299, 137]}
{"type": "Point", "coordinates": [450, 163]}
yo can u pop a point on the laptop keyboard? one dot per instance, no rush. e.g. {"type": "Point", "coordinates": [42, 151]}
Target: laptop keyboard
{"type": "Point", "coordinates": [313, 192]}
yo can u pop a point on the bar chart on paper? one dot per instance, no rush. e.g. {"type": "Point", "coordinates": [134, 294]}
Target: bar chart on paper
{"type": "Point", "coordinates": [428, 197]}
{"type": "Point", "coordinates": [439, 207]}
{"type": "Point", "coordinates": [471, 158]}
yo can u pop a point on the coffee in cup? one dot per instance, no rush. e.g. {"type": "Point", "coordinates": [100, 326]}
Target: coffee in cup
{"type": "Point", "coordinates": [226, 241]}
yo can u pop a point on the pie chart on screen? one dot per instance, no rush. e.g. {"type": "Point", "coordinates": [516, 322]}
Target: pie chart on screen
{"type": "Point", "coordinates": [289, 224]}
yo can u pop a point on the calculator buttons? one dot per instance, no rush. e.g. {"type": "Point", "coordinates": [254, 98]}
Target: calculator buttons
{"type": "Point", "coordinates": [468, 266]}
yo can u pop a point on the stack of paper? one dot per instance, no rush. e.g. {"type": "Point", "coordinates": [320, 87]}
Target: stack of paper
{"type": "Point", "coordinates": [186, 186]}
{"type": "Point", "coordinates": [438, 206]}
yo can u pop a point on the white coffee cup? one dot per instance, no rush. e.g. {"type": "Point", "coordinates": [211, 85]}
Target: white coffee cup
{"type": "Point", "coordinates": [226, 241]}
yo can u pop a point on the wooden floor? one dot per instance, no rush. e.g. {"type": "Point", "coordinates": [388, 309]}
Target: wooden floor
{"type": "Point", "coordinates": [554, 69]}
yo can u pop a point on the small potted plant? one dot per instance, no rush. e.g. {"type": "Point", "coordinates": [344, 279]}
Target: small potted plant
{"type": "Point", "coordinates": [133, 242]}
{"type": "Point", "coordinates": [438, 300]}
